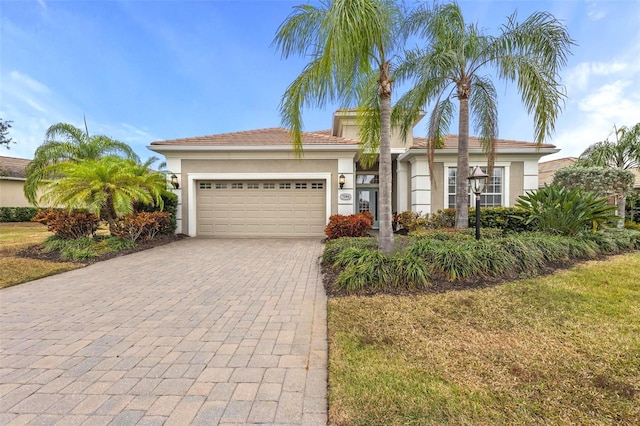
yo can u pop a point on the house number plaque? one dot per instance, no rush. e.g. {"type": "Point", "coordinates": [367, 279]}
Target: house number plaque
{"type": "Point", "coordinates": [345, 197]}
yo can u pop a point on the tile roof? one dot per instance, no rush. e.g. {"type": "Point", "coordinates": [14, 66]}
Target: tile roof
{"type": "Point", "coordinates": [13, 167]}
{"type": "Point", "coordinates": [547, 169]}
{"type": "Point", "coordinates": [261, 137]}
{"type": "Point", "coordinates": [451, 142]}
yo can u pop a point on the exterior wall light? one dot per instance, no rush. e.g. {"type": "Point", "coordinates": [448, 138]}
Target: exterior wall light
{"type": "Point", "coordinates": [342, 180]}
{"type": "Point", "coordinates": [477, 181]}
{"type": "Point", "coordinates": [174, 181]}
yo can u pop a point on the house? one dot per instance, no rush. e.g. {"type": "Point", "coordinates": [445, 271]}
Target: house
{"type": "Point", "coordinates": [12, 178]}
{"type": "Point", "coordinates": [250, 184]}
{"type": "Point", "coordinates": [548, 169]}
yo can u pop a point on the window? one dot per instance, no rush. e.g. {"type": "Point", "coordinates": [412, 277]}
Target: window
{"type": "Point", "coordinates": [367, 179]}
{"type": "Point", "coordinates": [492, 194]}
{"type": "Point", "coordinates": [268, 185]}
{"type": "Point", "coordinates": [301, 185]}
{"type": "Point", "coordinates": [285, 186]}
{"type": "Point", "coordinates": [317, 185]}
{"type": "Point", "coordinates": [237, 185]}
{"type": "Point", "coordinates": [251, 185]}
{"type": "Point", "coordinates": [221, 185]}
{"type": "Point", "coordinates": [204, 185]}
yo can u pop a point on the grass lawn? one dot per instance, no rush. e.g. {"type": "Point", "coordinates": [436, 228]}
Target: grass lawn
{"type": "Point", "coordinates": [15, 270]}
{"type": "Point", "coordinates": [561, 349]}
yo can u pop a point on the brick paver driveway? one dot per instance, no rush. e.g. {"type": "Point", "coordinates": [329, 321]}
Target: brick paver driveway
{"type": "Point", "coordinates": [194, 332]}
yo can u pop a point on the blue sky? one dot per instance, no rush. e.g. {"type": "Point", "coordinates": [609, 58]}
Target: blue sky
{"type": "Point", "coordinates": [145, 70]}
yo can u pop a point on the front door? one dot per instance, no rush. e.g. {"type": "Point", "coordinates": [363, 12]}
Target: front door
{"type": "Point", "coordinates": [367, 199]}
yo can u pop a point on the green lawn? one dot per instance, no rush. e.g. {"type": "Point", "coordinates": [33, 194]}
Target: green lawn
{"type": "Point", "coordinates": [16, 270]}
{"type": "Point", "coordinates": [562, 349]}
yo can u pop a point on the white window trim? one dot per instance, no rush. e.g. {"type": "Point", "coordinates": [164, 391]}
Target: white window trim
{"type": "Point", "coordinates": [505, 185]}
{"type": "Point", "coordinates": [192, 178]}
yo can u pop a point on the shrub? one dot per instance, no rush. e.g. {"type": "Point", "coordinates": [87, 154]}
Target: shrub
{"type": "Point", "coordinates": [458, 261]}
{"type": "Point", "coordinates": [443, 219]}
{"type": "Point", "coordinates": [17, 214]}
{"type": "Point", "coordinates": [76, 249]}
{"type": "Point", "coordinates": [557, 210]}
{"type": "Point", "coordinates": [509, 219]}
{"type": "Point", "coordinates": [69, 224]}
{"type": "Point", "coordinates": [335, 247]}
{"type": "Point", "coordinates": [142, 225]}
{"type": "Point", "coordinates": [363, 268]}
{"type": "Point", "coordinates": [410, 271]}
{"type": "Point", "coordinates": [355, 225]}
{"type": "Point", "coordinates": [170, 206]}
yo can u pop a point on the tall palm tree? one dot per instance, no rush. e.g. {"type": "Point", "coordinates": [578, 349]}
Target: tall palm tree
{"type": "Point", "coordinates": [64, 142]}
{"type": "Point", "coordinates": [455, 63]}
{"type": "Point", "coordinates": [349, 43]}
{"type": "Point", "coordinates": [109, 186]}
{"type": "Point", "coordinates": [623, 153]}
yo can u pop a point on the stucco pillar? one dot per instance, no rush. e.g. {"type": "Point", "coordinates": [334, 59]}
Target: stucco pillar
{"type": "Point", "coordinates": [346, 195]}
{"type": "Point", "coordinates": [420, 185]}
{"type": "Point", "coordinates": [402, 186]}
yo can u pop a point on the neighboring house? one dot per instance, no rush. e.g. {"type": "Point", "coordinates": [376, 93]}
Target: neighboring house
{"type": "Point", "coordinates": [548, 169]}
{"type": "Point", "coordinates": [250, 184]}
{"type": "Point", "coordinates": [12, 178]}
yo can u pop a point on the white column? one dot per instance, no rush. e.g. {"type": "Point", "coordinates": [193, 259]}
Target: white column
{"type": "Point", "coordinates": [174, 166]}
{"type": "Point", "coordinates": [420, 185]}
{"type": "Point", "coordinates": [346, 195]}
{"type": "Point", "coordinates": [402, 190]}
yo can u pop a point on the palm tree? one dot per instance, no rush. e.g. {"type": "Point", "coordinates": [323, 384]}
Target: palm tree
{"type": "Point", "coordinates": [349, 43]}
{"type": "Point", "coordinates": [64, 142]}
{"type": "Point", "coordinates": [624, 154]}
{"type": "Point", "coordinates": [455, 63]}
{"type": "Point", "coordinates": [108, 187]}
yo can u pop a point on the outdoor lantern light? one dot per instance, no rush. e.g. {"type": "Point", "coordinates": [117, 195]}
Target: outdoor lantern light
{"type": "Point", "coordinates": [476, 180]}
{"type": "Point", "coordinates": [174, 181]}
{"type": "Point", "coordinates": [342, 180]}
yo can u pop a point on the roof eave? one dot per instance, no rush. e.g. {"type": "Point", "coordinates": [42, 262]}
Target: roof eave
{"type": "Point", "coordinates": [450, 151]}
{"type": "Point", "coordinates": [274, 148]}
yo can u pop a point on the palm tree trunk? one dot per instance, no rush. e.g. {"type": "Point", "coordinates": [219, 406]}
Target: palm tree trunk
{"type": "Point", "coordinates": [462, 172]}
{"type": "Point", "coordinates": [385, 236]}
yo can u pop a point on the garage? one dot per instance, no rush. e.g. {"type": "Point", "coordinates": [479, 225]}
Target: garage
{"type": "Point", "coordinates": [260, 208]}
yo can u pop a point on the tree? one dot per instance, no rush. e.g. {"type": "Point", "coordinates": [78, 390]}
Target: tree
{"type": "Point", "coordinates": [108, 187]}
{"type": "Point", "coordinates": [455, 63]}
{"type": "Point", "coordinates": [623, 154]}
{"type": "Point", "coordinates": [349, 43]}
{"type": "Point", "coordinates": [5, 140]}
{"type": "Point", "coordinates": [65, 142]}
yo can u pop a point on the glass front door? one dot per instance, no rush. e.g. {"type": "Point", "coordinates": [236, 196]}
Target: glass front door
{"type": "Point", "coordinates": [367, 199]}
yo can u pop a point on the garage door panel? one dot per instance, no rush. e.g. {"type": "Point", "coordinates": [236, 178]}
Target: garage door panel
{"type": "Point", "coordinates": [260, 209]}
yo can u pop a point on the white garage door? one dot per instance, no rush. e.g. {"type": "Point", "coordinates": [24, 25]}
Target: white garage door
{"type": "Point", "coordinates": [255, 208]}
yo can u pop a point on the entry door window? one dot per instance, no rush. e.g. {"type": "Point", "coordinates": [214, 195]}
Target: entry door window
{"type": "Point", "coordinates": [368, 202]}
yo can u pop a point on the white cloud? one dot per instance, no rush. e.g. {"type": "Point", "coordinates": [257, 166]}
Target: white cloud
{"type": "Point", "coordinates": [28, 83]}
{"type": "Point", "coordinates": [595, 11]}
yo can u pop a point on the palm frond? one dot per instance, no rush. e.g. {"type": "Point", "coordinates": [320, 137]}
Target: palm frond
{"type": "Point", "coordinates": [483, 104]}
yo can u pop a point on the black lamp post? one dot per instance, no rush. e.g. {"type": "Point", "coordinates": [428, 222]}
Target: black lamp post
{"type": "Point", "coordinates": [476, 180]}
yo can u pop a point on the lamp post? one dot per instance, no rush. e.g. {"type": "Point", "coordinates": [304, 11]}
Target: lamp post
{"type": "Point", "coordinates": [476, 180]}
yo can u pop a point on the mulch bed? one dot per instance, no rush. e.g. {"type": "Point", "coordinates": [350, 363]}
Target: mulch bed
{"type": "Point", "coordinates": [38, 252]}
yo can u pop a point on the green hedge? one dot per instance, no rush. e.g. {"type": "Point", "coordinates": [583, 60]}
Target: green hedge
{"type": "Point", "coordinates": [509, 219]}
{"type": "Point", "coordinates": [17, 214]}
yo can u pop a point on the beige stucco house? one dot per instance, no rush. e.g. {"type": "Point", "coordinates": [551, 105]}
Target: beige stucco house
{"type": "Point", "coordinates": [12, 178]}
{"type": "Point", "coordinates": [250, 184]}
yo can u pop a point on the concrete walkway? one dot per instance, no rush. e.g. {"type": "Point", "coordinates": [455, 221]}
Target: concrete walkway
{"type": "Point", "coordinates": [198, 332]}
